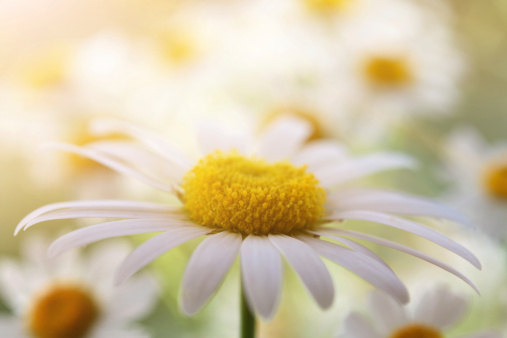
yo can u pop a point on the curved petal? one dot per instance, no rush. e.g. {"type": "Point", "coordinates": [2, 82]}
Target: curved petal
{"type": "Point", "coordinates": [213, 137]}
{"type": "Point", "coordinates": [440, 307]}
{"type": "Point", "coordinates": [113, 164]}
{"type": "Point", "coordinates": [357, 327]}
{"type": "Point", "coordinates": [389, 312]}
{"type": "Point", "coordinates": [310, 268]}
{"type": "Point", "coordinates": [367, 268]}
{"type": "Point", "coordinates": [356, 168]}
{"type": "Point", "coordinates": [133, 300]}
{"type": "Point", "coordinates": [391, 202]}
{"type": "Point", "coordinates": [261, 267]}
{"type": "Point", "coordinates": [401, 248]}
{"type": "Point", "coordinates": [320, 153]}
{"type": "Point", "coordinates": [207, 268]}
{"type": "Point", "coordinates": [95, 208]}
{"type": "Point", "coordinates": [154, 247]}
{"type": "Point", "coordinates": [412, 227]}
{"type": "Point", "coordinates": [356, 247]}
{"type": "Point", "coordinates": [97, 232]}
{"type": "Point", "coordinates": [136, 156]}
{"type": "Point", "coordinates": [155, 142]}
{"type": "Point", "coordinates": [283, 138]}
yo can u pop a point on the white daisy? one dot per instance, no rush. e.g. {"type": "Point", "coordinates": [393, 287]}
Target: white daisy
{"type": "Point", "coordinates": [398, 59]}
{"type": "Point", "coordinates": [478, 173]}
{"type": "Point", "coordinates": [72, 296]}
{"type": "Point", "coordinates": [437, 311]}
{"type": "Point", "coordinates": [266, 202]}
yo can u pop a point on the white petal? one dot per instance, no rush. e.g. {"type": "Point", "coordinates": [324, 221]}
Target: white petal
{"type": "Point", "coordinates": [391, 202]}
{"type": "Point", "coordinates": [308, 266]}
{"type": "Point", "coordinates": [112, 163]}
{"type": "Point", "coordinates": [401, 248]}
{"type": "Point", "coordinates": [14, 286]}
{"type": "Point", "coordinates": [207, 268]}
{"type": "Point", "coordinates": [138, 157]}
{"type": "Point", "coordinates": [261, 267]}
{"type": "Point", "coordinates": [353, 169]}
{"type": "Point", "coordinates": [412, 227]}
{"type": "Point", "coordinates": [154, 247]}
{"type": "Point", "coordinates": [441, 308]}
{"type": "Point", "coordinates": [109, 126]}
{"type": "Point", "coordinates": [213, 137]}
{"type": "Point", "coordinates": [283, 138]}
{"type": "Point", "coordinates": [95, 208]}
{"type": "Point", "coordinates": [356, 247]}
{"type": "Point", "coordinates": [367, 268]}
{"type": "Point", "coordinates": [97, 232]}
{"type": "Point", "coordinates": [389, 312]}
{"type": "Point", "coordinates": [133, 300]}
{"type": "Point", "coordinates": [357, 327]}
{"type": "Point", "coordinates": [319, 153]}
{"type": "Point", "coordinates": [12, 327]}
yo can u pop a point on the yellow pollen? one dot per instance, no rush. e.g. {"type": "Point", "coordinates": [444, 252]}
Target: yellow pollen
{"type": "Point", "coordinates": [250, 196]}
{"type": "Point", "coordinates": [318, 132]}
{"type": "Point", "coordinates": [388, 71]}
{"type": "Point", "coordinates": [496, 181]}
{"type": "Point", "coordinates": [326, 6]}
{"type": "Point", "coordinates": [63, 312]}
{"type": "Point", "coordinates": [417, 331]}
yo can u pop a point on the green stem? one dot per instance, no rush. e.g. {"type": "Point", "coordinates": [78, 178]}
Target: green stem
{"type": "Point", "coordinates": [247, 318]}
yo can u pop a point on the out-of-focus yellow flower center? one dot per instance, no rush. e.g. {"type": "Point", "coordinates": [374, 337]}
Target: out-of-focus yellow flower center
{"type": "Point", "coordinates": [63, 312]}
{"type": "Point", "coordinates": [496, 181]}
{"type": "Point", "coordinates": [177, 47]}
{"type": "Point", "coordinates": [388, 71]}
{"type": "Point", "coordinates": [417, 331]}
{"type": "Point", "coordinates": [326, 6]}
{"type": "Point", "coordinates": [250, 196]}
{"type": "Point", "coordinates": [46, 69]}
{"type": "Point", "coordinates": [318, 131]}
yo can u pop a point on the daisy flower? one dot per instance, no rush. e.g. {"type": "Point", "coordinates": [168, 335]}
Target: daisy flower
{"type": "Point", "coordinates": [398, 60]}
{"type": "Point", "coordinates": [437, 311]}
{"type": "Point", "coordinates": [263, 200]}
{"type": "Point", "coordinates": [72, 296]}
{"type": "Point", "coordinates": [478, 173]}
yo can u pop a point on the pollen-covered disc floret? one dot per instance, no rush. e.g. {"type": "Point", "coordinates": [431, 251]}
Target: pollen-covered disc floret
{"type": "Point", "coordinates": [417, 331]}
{"type": "Point", "coordinates": [250, 196]}
{"type": "Point", "coordinates": [64, 311]}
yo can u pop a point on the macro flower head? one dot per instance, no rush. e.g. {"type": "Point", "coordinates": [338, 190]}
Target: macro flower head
{"type": "Point", "coordinates": [438, 310]}
{"type": "Point", "coordinates": [277, 197]}
{"type": "Point", "coordinates": [477, 172]}
{"type": "Point", "coordinates": [72, 296]}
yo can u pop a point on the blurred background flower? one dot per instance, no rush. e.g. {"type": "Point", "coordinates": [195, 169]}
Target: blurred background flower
{"type": "Point", "coordinates": [426, 78]}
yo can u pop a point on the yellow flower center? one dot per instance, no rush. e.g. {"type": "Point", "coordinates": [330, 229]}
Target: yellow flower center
{"type": "Point", "coordinates": [63, 312]}
{"type": "Point", "coordinates": [47, 69]}
{"type": "Point", "coordinates": [388, 71]}
{"type": "Point", "coordinates": [177, 47]}
{"type": "Point", "coordinates": [417, 331]}
{"type": "Point", "coordinates": [318, 130]}
{"type": "Point", "coordinates": [326, 6]}
{"type": "Point", "coordinates": [496, 181]}
{"type": "Point", "coordinates": [250, 196]}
